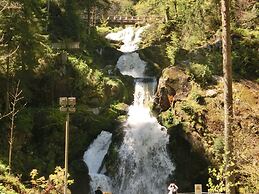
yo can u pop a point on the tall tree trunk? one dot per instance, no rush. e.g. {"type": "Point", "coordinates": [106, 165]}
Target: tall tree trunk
{"type": "Point", "coordinates": [228, 99]}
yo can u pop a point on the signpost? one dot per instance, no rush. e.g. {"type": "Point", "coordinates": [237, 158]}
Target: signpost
{"type": "Point", "coordinates": [67, 105]}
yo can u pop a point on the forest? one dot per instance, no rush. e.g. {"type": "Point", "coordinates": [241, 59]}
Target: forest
{"type": "Point", "coordinates": [57, 48]}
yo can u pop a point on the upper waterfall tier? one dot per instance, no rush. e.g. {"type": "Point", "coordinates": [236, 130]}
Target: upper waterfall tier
{"type": "Point", "coordinates": [130, 37]}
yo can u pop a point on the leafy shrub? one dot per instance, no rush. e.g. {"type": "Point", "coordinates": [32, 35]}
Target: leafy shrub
{"type": "Point", "coordinates": [172, 48]}
{"type": "Point", "coordinates": [218, 146]}
{"type": "Point", "coordinates": [54, 184]}
{"type": "Point", "coordinates": [9, 184]}
{"type": "Point", "coordinates": [200, 73]}
{"type": "Point", "coordinates": [168, 119]}
{"type": "Point", "coordinates": [245, 53]}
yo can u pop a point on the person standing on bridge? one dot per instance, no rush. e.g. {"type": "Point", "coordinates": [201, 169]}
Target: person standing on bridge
{"type": "Point", "coordinates": [172, 188]}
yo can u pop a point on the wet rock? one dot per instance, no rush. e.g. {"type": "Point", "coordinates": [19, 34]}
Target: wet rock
{"type": "Point", "coordinates": [110, 55]}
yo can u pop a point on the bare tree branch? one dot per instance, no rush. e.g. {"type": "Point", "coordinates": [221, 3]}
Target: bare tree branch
{"type": "Point", "coordinates": [9, 55]}
{"type": "Point", "coordinates": [9, 5]}
{"type": "Point", "coordinates": [2, 38]}
{"type": "Point", "coordinates": [16, 97]}
{"type": "Point", "coordinates": [4, 7]}
{"type": "Point", "coordinates": [5, 115]}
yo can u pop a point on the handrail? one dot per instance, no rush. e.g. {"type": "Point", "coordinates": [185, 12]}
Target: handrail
{"type": "Point", "coordinates": [118, 19]}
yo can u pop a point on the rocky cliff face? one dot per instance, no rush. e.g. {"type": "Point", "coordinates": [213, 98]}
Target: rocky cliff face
{"type": "Point", "coordinates": [194, 117]}
{"type": "Point", "coordinates": [174, 85]}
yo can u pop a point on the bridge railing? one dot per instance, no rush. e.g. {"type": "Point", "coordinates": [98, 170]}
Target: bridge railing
{"type": "Point", "coordinates": [117, 19]}
{"type": "Point", "coordinates": [131, 19]}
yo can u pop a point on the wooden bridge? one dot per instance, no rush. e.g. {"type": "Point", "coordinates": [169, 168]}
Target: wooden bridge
{"type": "Point", "coordinates": [131, 19]}
{"type": "Point", "coordinates": [121, 20]}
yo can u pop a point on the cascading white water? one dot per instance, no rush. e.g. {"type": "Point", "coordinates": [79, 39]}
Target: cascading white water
{"type": "Point", "coordinates": [144, 163]}
{"type": "Point", "coordinates": [129, 36]}
{"type": "Point", "coordinates": [93, 158]}
{"type": "Point", "coordinates": [130, 64]}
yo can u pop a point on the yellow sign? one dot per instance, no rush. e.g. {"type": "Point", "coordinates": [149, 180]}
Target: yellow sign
{"type": "Point", "coordinates": [107, 193]}
{"type": "Point", "coordinates": [198, 188]}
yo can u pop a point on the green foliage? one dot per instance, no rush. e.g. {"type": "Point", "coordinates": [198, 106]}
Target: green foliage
{"type": "Point", "coordinates": [103, 30]}
{"type": "Point", "coordinates": [246, 14]}
{"type": "Point", "coordinates": [64, 23]}
{"type": "Point", "coordinates": [54, 183]}
{"type": "Point", "coordinates": [218, 146]}
{"type": "Point", "coordinates": [245, 54]}
{"type": "Point", "coordinates": [9, 184]}
{"type": "Point", "coordinates": [200, 73]}
{"type": "Point", "coordinates": [192, 111]}
{"type": "Point", "coordinates": [97, 87]}
{"type": "Point", "coordinates": [150, 7]}
{"type": "Point", "coordinates": [216, 181]}
{"type": "Point", "coordinates": [172, 48]}
{"type": "Point", "coordinates": [169, 119]}
{"type": "Point", "coordinates": [24, 121]}
{"type": "Point", "coordinates": [122, 7]}
{"type": "Point", "coordinates": [88, 79]}
{"type": "Point", "coordinates": [195, 20]}
{"type": "Point", "coordinates": [23, 32]}
{"type": "Point", "coordinates": [71, 26]}
{"type": "Point", "coordinates": [219, 186]}
{"type": "Point", "coordinates": [155, 33]}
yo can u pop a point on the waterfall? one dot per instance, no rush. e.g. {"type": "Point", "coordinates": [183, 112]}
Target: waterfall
{"type": "Point", "coordinates": [130, 64]}
{"type": "Point", "coordinates": [93, 158]}
{"type": "Point", "coordinates": [129, 37]}
{"type": "Point", "coordinates": [144, 162]}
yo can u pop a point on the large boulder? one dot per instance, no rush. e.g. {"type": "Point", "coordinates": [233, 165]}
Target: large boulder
{"type": "Point", "coordinates": [174, 85]}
